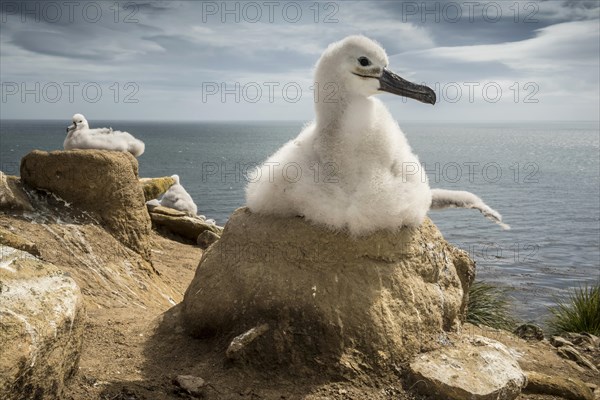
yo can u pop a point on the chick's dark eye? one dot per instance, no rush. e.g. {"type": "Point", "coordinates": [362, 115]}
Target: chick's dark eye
{"type": "Point", "coordinates": [364, 61]}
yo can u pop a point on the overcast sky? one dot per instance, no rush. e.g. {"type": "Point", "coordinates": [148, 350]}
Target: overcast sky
{"type": "Point", "coordinates": [486, 60]}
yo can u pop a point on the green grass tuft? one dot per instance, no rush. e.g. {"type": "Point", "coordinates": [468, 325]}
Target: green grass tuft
{"type": "Point", "coordinates": [490, 305]}
{"type": "Point", "coordinates": [579, 313]}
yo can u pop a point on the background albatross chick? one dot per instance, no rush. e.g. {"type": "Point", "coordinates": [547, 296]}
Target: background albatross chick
{"type": "Point", "coordinates": [80, 136]}
{"type": "Point", "coordinates": [178, 198]}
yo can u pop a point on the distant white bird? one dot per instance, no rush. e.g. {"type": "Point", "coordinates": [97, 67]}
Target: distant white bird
{"type": "Point", "coordinates": [353, 167]}
{"type": "Point", "coordinates": [80, 136]}
{"type": "Point", "coordinates": [178, 198]}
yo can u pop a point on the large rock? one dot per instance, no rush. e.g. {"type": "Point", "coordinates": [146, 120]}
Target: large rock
{"type": "Point", "coordinates": [330, 300]}
{"type": "Point", "coordinates": [41, 327]}
{"type": "Point", "coordinates": [476, 368]}
{"type": "Point", "coordinates": [103, 183]}
{"type": "Point", "coordinates": [12, 194]}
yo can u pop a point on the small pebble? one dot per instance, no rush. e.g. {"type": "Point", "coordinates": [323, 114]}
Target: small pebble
{"type": "Point", "coordinates": [193, 385]}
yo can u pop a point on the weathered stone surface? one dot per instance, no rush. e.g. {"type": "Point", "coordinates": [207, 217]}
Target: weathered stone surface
{"type": "Point", "coordinates": [41, 327]}
{"type": "Point", "coordinates": [206, 238]}
{"type": "Point", "coordinates": [10, 239]}
{"type": "Point", "coordinates": [558, 341]}
{"type": "Point", "coordinates": [584, 339]}
{"type": "Point", "coordinates": [330, 299]}
{"type": "Point", "coordinates": [12, 195]}
{"type": "Point", "coordinates": [107, 272]}
{"type": "Point", "coordinates": [154, 187]}
{"type": "Point", "coordinates": [567, 388]}
{"type": "Point", "coordinates": [104, 183]}
{"type": "Point", "coordinates": [180, 222]}
{"type": "Point", "coordinates": [570, 353]}
{"type": "Point", "coordinates": [476, 368]}
{"type": "Point", "coordinates": [170, 212]}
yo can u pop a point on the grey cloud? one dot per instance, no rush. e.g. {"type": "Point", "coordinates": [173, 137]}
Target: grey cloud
{"type": "Point", "coordinates": [54, 44]}
{"type": "Point", "coordinates": [170, 51]}
{"type": "Point", "coordinates": [184, 52]}
{"type": "Point", "coordinates": [154, 7]}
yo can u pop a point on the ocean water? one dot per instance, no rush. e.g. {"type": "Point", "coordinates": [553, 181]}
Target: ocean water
{"type": "Point", "coordinates": [543, 177]}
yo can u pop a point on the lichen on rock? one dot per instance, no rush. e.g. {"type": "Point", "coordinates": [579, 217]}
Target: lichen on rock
{"type": "Point", "coordinates": [154, 187]}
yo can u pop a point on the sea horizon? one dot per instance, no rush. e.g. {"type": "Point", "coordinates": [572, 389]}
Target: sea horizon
{"type": "Point", "coordinates": [526, 171]}
{"type": "Point", "coordinates": [442, 121]}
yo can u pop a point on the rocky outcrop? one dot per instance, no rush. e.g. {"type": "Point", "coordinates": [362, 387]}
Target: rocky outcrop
{"type": "Point", "coordinates": [330, 300]}
{"type": "Point", "coordinates": [181, 223]}
{"type": "Point", "coordinates": [12, 194]}
{"type": "Point", "coordinates": [584, 339]}
{"type": "Point", "coordinates": [570, 353]}
{"type": "Point", "coordinates": [154, 187]}
{"type": "Point", "coordinates": [581, 348]}
{"type": "Point", "coordinates": [41, 327]}
{"type": "Point", "coordinates": [103, 183]}
{"type": "Point", "coordinates": [477, 368]}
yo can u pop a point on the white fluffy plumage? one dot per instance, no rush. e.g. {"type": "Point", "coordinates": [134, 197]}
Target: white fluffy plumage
{"type": "Point", "coordinates": [178, 198]}
{"type": "Point", "coordinates": [80, 136]}
{"type": "Point", "coordinates": [352, 168]}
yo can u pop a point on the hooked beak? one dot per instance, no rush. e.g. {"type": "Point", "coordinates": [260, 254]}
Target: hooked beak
{"type": "Point", "coordinates": [392, 83]}
{"type": "Point", "coordinates": [71, 127]}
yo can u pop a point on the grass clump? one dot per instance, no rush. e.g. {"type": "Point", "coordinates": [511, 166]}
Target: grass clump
{"type": "Point", "coordinates": [580, 312]}
{"type": "Point", "coordinates": [490, 305]}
